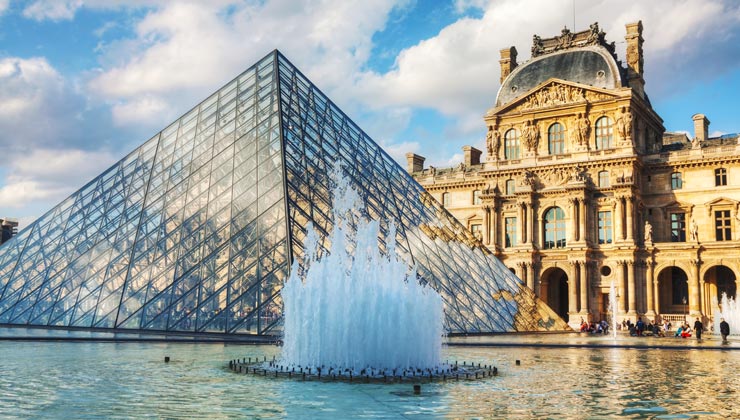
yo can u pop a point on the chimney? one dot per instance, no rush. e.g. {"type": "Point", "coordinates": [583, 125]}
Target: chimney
{"type": "Point", "coordinates": [508, 62]}
{"type": "Point", "coordinates": [635, 59]}
{"type": "Point", "coordinates": [414, 162]}
{"type": "Point", "coordinates": [472, 155]}
{"type": "Point", "coordinates": [701, 127]}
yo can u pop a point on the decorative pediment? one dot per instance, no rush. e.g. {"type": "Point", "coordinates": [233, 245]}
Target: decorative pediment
{"type": "Point", "coordinates": [721, 201]}
{"type": "Point", "coordinates": [552, 93]}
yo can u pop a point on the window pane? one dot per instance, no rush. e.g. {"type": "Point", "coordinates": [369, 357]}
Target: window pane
{"type": "Point", "coordinates": [554, 228]}
{"type": "Point", "coordinates": [604, 133]}
{"type": "Point", "coordinates": [556, 139]}
{"type": "Point", "coordinates": [510, 223]}
{"type": "Point", "coordinates": [678, 227]}
{"type": "Point", "coordinates": [605, 227]}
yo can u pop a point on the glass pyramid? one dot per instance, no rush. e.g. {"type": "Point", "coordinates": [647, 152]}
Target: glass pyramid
{"type": "Point", "coordinates": [195, 230]}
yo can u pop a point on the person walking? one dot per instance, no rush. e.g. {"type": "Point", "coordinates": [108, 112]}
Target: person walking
{"type": "Point", "coordinates": [698, 328]}
{"type": "Point", "coordinates": [724, 330]}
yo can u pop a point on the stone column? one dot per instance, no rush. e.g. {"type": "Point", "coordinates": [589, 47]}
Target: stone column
{"type": "Point", "coordinates": [571, 231]}
{"type": "Point", "coordinates": [630, 225]}
{"type": "Point", "coordinates": [622, 286]}
{"type": "Point", "coordinates": [522, 224]}
{"type": "Point", "coordinates": [572, 291]}
{"type": "Point", "coordinates": [530, 277]}
{"type": "Point", "coordinates": [631, 292]}
{"type": "Point", "coordinates": [618, 216]}
{"type": "Point", "coordinates": [530, 223]}
{"type": "Point", "coordinates": [583, 277]}
{"type": "Point", "coordinates": [495, 241]}
{"type": "Point", "coordinates": [486, 231]}
{"type": "Point", "coordinates": [694, 289]}
{"type": "Point", "coordinates": [582, 219]}
{"type": "Point", "coordinates": [704, 307]}
{"type": "Point", "coordinates": [649, 289]}
{"type": "Point", "coordinates": [656, 295]}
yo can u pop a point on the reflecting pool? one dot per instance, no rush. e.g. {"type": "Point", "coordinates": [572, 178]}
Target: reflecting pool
{"type": "Point", "coordinates": [123, 380]}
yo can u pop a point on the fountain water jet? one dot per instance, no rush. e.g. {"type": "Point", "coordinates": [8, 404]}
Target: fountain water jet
{"type": "Point", "coordinates": [356, 309]}
{"type": "Point", "coordinates": [613, 307]}
{"type": "Point", "coordinates": [730, 312]}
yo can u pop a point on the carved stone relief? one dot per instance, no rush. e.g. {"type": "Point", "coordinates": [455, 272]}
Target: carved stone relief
{"type": "Point", "coordinates": [559, 94]}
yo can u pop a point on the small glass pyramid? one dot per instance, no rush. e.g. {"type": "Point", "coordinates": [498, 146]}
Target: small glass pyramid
{"type": "Point", "coordinates": [195, 230]}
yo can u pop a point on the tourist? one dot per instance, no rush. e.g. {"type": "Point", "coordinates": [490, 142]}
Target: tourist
{"type": "Point", "coordinates": [640, 326]}
{"type": "Point", "coordinates": [698, 328]}
{"type": "Point", "coordinates": [679, 331]}
{"type": "Point", "coordinates": [666, 325]}
{"type": "Point", "coordinates": [724, 329]}
{"type": "Point", "coordinates": [686, 333]}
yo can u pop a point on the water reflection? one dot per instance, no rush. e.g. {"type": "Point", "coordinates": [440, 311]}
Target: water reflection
{"type": "Point", "coordinates": [96, 380]}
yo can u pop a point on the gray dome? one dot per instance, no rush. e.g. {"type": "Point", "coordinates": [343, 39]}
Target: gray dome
{"type": "Point", "coordinates": [592, 65]}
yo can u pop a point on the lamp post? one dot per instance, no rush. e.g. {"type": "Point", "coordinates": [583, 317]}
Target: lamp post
{"type": "Point", "coordinates": [683, 299]}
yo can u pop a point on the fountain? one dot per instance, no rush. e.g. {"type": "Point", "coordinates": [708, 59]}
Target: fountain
{"type": "Point", "coordinates": [730, 311]}
{"type": "Point", "coordinates": [613, 308]}
{"type": "Point", "coordinates": [358, 312]}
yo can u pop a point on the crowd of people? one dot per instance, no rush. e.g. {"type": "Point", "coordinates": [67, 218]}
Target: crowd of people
{"type": "Point", "coordinates": [655, 329]}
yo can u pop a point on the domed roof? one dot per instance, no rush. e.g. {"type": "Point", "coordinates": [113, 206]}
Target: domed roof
{"type": "Point", "coordinates": [593, 65]}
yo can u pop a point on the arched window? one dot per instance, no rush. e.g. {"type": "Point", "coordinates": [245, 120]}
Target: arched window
{"type": "Point", "coordinates": [556, 139]}
{"type": "Point", "coordinates": [445, 199]}
{"type": "Point", "coordinates": [511, 144]}
{"type": "Point", "coordinates": [603, 179]}
{"type": "Point", "coordinates": [554, 228]}
{"type": "Point", "coordinates": [476, 197]}
{"type": "Point", "coordinates": [604, 133]}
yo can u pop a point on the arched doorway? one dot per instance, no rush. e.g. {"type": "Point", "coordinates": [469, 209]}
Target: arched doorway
{"type": "Point", "coordinates": [718, 280]}
{"type": "Point", "coordinates": [555, 280]}
{"type": "Point", "coordinates": [673, 291]}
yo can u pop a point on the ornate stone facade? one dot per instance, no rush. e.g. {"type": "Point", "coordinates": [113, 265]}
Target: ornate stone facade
{"type": "Point", "coordinates": [583, 188]}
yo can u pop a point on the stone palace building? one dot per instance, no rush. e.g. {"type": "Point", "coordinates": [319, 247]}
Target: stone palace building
{"type": "Point", "coordinates": [581, 188]}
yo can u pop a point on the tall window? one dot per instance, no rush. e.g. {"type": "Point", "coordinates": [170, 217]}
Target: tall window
{"type": "Point", "coordinates": [445, 199]}
{"type": "Point", "coordinates": [720, 177]}
{"type": "Point", "coordinates": [510, 187]}
{"type": "Point", "coordinates": [604, 179]}
{"type": "Point", "coordinates": [554, 228]}
{"type": "Point", "coordinates": [556, 139]}
{"type": "Point", "coordinates": [723, 225]}
{"type": "Point", "coordinates": [604, 133]}
{"type": "Point", "coordinates": [678, 227]}
{"type": "Point", "coordinates": [510, 223]}
{"type": "Point", "coordinates": [680, 286]}
{"type": "Point", "coordinates": [605, 227]}
{"type": "Point", "coordinates": [477, 230]}
{"type": "Point", "coordinates": [676, 181]}
{"type": "Point", "coordinates": [476, 197]}
{"type": "Point", "coordinates": [511, 144]}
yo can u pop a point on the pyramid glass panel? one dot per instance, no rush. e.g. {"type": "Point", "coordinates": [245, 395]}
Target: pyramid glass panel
{"type": "Point", "coordinates": [195, 230]}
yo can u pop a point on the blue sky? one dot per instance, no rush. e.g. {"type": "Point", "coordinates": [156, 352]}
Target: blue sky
{"type": "Point", "coordinates": [82, 82]}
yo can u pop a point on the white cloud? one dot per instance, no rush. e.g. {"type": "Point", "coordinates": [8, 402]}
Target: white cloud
{"type": "Point", "coordinates": [457, 72]}
{"type": "Point", "coordinates": [49, 175]}
{"type": "Point", "coordinates": [4, 6]}
{"type": "Point", "coordinates": [55, 10]}
{"type": "Point", "coordinates": [39, 108]}
{"type": "Point", "coordinates": [183, 51]}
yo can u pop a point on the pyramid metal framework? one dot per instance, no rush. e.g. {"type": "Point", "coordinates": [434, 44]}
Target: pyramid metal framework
{"type": "Point", "coordinates": [194, 231]}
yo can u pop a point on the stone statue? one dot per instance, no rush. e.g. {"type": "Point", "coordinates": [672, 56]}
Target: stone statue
{"type": "Point", "coordinates": [628, 124]}
{"type": "Point", "coordinates": [582, 128]}
{"type": "Point", "coordinates": [621, 128]}
{"type": "Point", "coordinates": [493, 142]}
{"type": "Point", "coordinates": [530, 135]}
{"type": "Point", "coordinates": [537, 46]}
{"type": "Point", "coordinates": [648, 232]}
{"type": "Point", "coordinates": [529, 178]}
{"type": "Point", "coordinates": [694, 230]}
{"type": "Point", "coordinates": [696, 143]}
